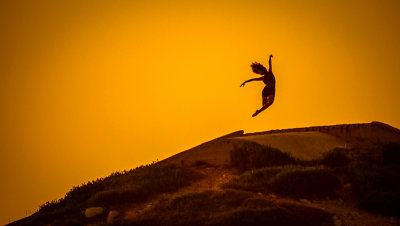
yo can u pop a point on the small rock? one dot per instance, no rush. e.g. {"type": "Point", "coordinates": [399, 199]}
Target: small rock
{"type": "Point", "coordinates": [336, 221]}
{"type": "Point", "coordinates": [305, 201]}
{"type": "Point", "coordinates": [111, 216]}
{"type": "Point", "coordinates": [259, 193]}
{"type": "Point", "coordinates": [93, 211]}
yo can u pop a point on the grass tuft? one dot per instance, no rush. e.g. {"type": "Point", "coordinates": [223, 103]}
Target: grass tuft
{"type": "Point", "coordinates": [335, 159]}
{"type": "Point", "coordinates": [289, 181]}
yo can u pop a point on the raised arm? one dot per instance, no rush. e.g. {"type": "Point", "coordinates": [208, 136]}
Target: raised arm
{"type": "Point", "coordinates": [253, 79]}
{"type": "Point", "coordinates": [270, 64]}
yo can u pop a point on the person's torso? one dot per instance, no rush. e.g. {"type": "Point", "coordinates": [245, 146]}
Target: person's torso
{"type": "Point", "coordinates": [269, 80]}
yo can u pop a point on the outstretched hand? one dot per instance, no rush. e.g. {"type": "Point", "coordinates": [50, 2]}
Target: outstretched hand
{"type": "Point", "coordinates": [242, 84]}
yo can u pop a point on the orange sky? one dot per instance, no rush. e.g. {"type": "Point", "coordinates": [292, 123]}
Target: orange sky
{"type": "Point", "coordinates": [92, 87]}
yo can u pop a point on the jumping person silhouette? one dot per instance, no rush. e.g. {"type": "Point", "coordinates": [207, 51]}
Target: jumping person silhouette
{"type": "Point", "coordinates": [268, 93]}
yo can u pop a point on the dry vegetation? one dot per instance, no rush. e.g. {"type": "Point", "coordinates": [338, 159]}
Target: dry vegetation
{"type": "Point", "coordinates": [230, 207]}
{"type": "Point", "coordinates": [134, 186]}
{"type": "Point", "coordinates": [269, 188]}
{"type": "Point", "coordinates": [375, 186]}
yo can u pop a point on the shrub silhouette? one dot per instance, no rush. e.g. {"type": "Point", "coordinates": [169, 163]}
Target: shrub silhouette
{"type": "Point", "coordinates": [335, 159]}
{"type": "Point", "coordinates": [377, 187]}
{"type": "Point", "coordinates": [290, 181]}
{"type": "Point", "coordinates": [309, 182]}
{"type": "Point", "coordinates": [255, 156]}
{"type": "Point", "coordinates": [391, 153]}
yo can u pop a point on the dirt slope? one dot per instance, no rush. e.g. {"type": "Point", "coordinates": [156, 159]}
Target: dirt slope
{"type": "Point", "coordinates": [214, 177]}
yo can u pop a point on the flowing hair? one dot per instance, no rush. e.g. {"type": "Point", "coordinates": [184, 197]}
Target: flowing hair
{"type": "Point", "coordinates": [258, 68]}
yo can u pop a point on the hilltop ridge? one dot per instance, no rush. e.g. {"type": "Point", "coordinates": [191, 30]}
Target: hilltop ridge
{"type": "Point", "coordinates": [304, 143]}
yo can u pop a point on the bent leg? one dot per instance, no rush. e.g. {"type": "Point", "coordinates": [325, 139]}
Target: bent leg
{"type": "Point", "coordinates": [267, 101]}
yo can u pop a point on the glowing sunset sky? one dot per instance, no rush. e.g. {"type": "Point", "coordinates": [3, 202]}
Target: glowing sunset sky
{"type": "Point", "coordinates": [92, 87]}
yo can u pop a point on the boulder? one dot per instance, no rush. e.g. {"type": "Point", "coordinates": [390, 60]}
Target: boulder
{"type": "Point", "coordinates": [111, 216]}
{"type": "Point", "coordinates": [93, 211]}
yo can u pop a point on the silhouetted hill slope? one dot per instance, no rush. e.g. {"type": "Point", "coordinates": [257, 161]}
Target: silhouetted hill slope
{"type": "Point", "coordinates": [321, 175]}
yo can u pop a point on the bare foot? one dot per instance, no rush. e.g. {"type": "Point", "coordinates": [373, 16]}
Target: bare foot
{"type": "Point", "coordinates": [255, 114]}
